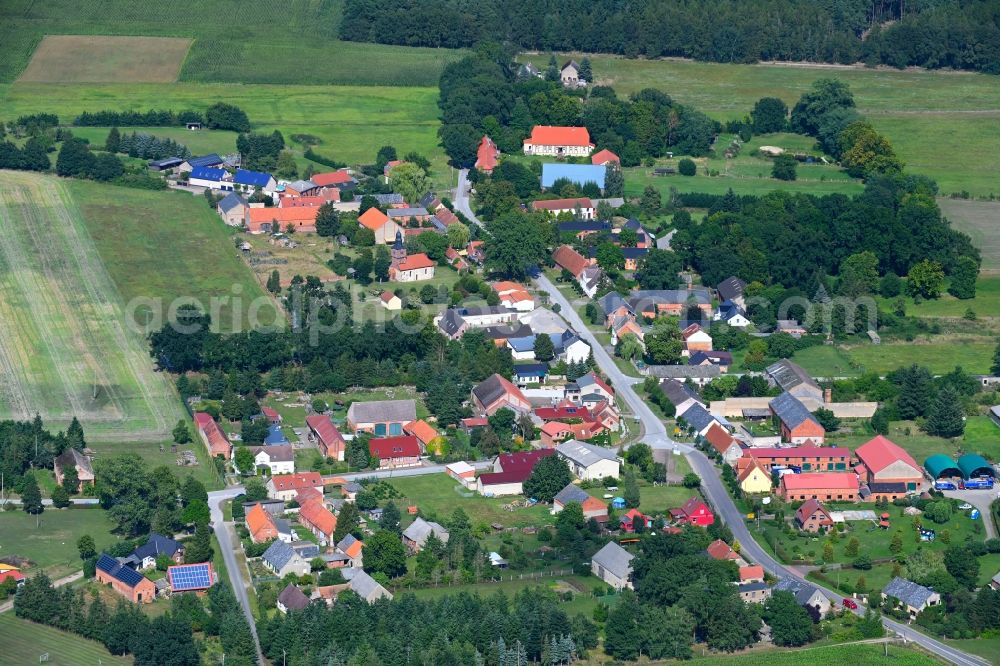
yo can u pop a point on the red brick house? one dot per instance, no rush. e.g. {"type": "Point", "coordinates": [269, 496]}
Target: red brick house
{"type": "Point", "coordinates": [812, 516]}
{"type": "Point", "coordinates": [885, 462]}
{"type": "Point", "coordinates": [809, 457]}
{"type": "Point", "coordinates": [495, 393]}
{"type": "Point", "coordinates": [319, 520]}
{"type": "Point", "coordinates": [125, 581]}
{"type": "Point", "coordinates": [796, 422]}
{"type": "Point", "coordinates": [829, 487]}
{"type": "Point", "coordinates": [260, 523]}
{"type": "Point", "coordinates": [213, 437]}
{"type": "Point", "coordinates": [393, 452]}
{"type": "Point", "coordinates": [329, 440]}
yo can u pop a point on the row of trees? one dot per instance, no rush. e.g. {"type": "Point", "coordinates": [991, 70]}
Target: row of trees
{"type": "Point", "coordinates": [961, 35]}
{"type": "Point", "coordinates": [220, 115]}
{"type": "Point", "coordinates": [27, 444]}
{"type": "Point", "coordinates": [482, 94]}
{"type": "Point", "coordinates": [145, 146]}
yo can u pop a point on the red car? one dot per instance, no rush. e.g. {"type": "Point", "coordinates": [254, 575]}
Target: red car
{"type": "Point", "coordinates": [850, 603]}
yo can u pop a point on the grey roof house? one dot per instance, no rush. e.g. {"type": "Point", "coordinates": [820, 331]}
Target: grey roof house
{"type": "Point", "coordinates": [416, 535]}
{"type": "Point", "coordinates": [804, 593]}
{"type": "Point", "coordinates": [282, 559]}
{"type": "Point", "coordinates": [912, 596]}
{"type": "Point", "coordinates": [292, 598]}
{"type": "Point", "coordinates": [792, 378]}
{"type": "Point", "coordinates": [613, 565]}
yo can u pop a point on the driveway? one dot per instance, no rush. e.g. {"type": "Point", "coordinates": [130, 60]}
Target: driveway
{"type": "Point", "coordinates": [981, 499]}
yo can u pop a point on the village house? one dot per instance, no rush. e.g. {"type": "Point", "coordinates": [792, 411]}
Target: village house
{"type": "Point", "coordinates": [752, 477]}
{"type": "Point", "coordinates": [754, 593]}
{"type": "Point", "coordinates": [495, 393]}
{"type": "Point", "coordinates": [192, 163]}
{"type": "Point", "coordinates": [462, 472]}
{"type": "Point", "coordinates": [828, 487]}
{"type": "Point", "coordinates": [808, 596]}
{"type": "Point", "coordinates": [390, 301]}
{"type": "Point", "coordinates": [698, 420]}
{"type": "Point", "coordinates": [145, 556]}
{"type": "Point", "coordinates": [680, 395]}
{"type": "Point", "coordinates": [791, 378]}
{"type": "Point", "coordinates": [365, 586]}
{"type": "Point", "coordinates": [510, 471]}
{"type": "Point", "coordinates": [281, 559]}
{"type": "Point", "coordinates": [631, 520]}
{"type": "Point", "coordinates": [569, 75]}
{"type": "Point", "coordinates": [554, 432]}
{"type": "Point", "coordinates": [530, 373]}
{"type": "Point", "coordinates": [381, 417]}
{"type": "Point", "coordinates": [286, 486]}
{"type": "Point", "coordinates": [315, 517]}
{"type": "Point", "coordinates": [486, 155]}
{"type": "Point", "coordinates": [261, 220]}
{"type": "Point", "coordinates": [812, 516]}
{"type": "Point", "coordinates": [514, 296]}
{"type": "Point", "coordinates": [653, 303]}
{"type": "Point", "coordinates": [634, 255]}
{"type": "Point", "coordinates": [394, 452]}
{"type": "Point", "coordinates": [694, 512]}
{"type": "Point", "coordinates": [613, 565]}
{"type": "Point", "coordinates": [211, 178]}
{"type": "Point", "coordinates": [591, 506]}
{"type": "Point", "coordinates": [260, 523]}
{"type": "Point", "coordinates": [589, 462]}
{"type": "Point", "coordinates": [724, 444]}
{"type": "Point", "coordinates": [301, 188]}
{"type": "Point", "coordinates": [558, 141]}
{"type": "Point", "coordinates": [340, 179]}
{"type": "Point", "coordinates": [721, 359]}
{"type": "Point", "coordinates": [415, 536]}
{"type": "Point", "coordinates": [423, 431]}
{"type": "Point", "coordinates": [413, 268]}
{"type": "Point", "coordinates": [195, 577]}
{"type": "Point", "coordinates": [385, 229]}
{"type": "Point", "coordinates": [885, 462]}
{"type": "Point", "coordinates": [605, 157]}
{"type": "Point", "coordinates": [327, 437]}
{"type": "Point", "coordinates": [731, 289]}
{"type": "Point", "coordinates": [233, 209]}
{"type": "Point", "coordinates": [582, 208]}
{"type": "Point", "coordinates": [249, 181]}
{"type": "Point", "coordinates": [808, 457]}
{"type": "Point", "coordinates": [696, 339]}
{"type": "Point", "coordinates": [912, 597]}
{"type": "Point", "coordinates": [291, 598]}
{"type": "Point", "coordinates": [81, 463]}
{"type": "Point", "coordinates": [732, 315]}
{"type": "Point", "coordinates": [127, 582]}
{"type": "Point", "coordinates": [797, 423]}
{"type": "Point", "coordinates": [720, 550]}
{"type": "Point", "coordinates": [279, 459]}
{"type": "Point", "coordinates": [213, 437]}
{"type": "Point", "coordinates": [589, 390]}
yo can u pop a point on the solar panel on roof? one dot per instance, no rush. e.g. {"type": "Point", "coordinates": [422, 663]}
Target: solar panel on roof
{"type": "Point", "coordinates": [190, 576]}
{"type": "Point", "coordinates": [130, 577]}
{"type": "Point", "coordinates": [107, 563]}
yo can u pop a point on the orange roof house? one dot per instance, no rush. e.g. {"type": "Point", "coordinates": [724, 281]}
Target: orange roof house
{"type": "Point", "coordinates": [331, 178]}
{"type": "Point", "coordinates": [486, 155]}
{"type": "Point", "coordinates": [318, 519]}
{"type": "Point", "coordinates": [558, 141]}
{"type": "Point", "coordinates": [829, 486]}
{"type": "Point", "coordinates": [884, 461]}
{"type": "Point", "coordinates": [752, 573]}
{"type": "Point", "coordinates": [212, 435]}
{"type": "Point", "coordinates": [422, 430]}
{"type": "Point", "coordinates": [262, 220]}
{"type": "Point", "coordinates": [414, 267]}
{"type": "Point", "coordinates": [261, 524]}
{"type": "Point", "coordinates": [286, 486]}
{"type": "Point", "coordinates": [603, 157]}
{"type": "Point", "coordinates": [385, 229]}
{"type": "Point", "coordinates": [720, 550]}
{"type": "Point", "coordinates": [568, 258]}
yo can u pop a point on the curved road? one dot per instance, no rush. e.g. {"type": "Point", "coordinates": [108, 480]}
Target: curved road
{"type": "Point", "coordinates": [656, 436]}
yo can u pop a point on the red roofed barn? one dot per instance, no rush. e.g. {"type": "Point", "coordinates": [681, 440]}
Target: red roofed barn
{"type": "Point", "coordinates": [884, 461]}
{"type": "Point", "coordinates": [216, 440]}
{"type": "Point", "coordinates": [395, 452]}
{"type": "Point", "coordinates": [558, 141]}
{"type": "Point", "coordinates": [321, 430]}
{"type": "Point", "coordinates": [486, 155]}
{"type": "Point", "coordinates": [510, 471]}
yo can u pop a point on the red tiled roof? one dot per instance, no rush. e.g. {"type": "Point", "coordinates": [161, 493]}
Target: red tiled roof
{"type": "Point", "coordinates": [297, 481]}
{"type": "Point", "coordinates": [562, 204]}
{"type": "Point", "coordinates": [751, 572]}
{"type": "Point", "coordinates": [600, 157]}
{"type": "Point", "coordinates": [415, 262]}
{"type": "Point", "coordinates": [748, 467]}
{"type": "Point", "coordinates": [422, 430]}
{"type": "Point", "coordinates": [16, 575]}
{"type": "Point", "coordinates": [720, 440]}
{"type": "Point", "coordinates": [690, 330]}
{"type": "Point", "coordinates": [218, 443]}
{"type": "Point", "coordinates": [301, 217]}
{"type": "Point", "coordinates": [386, 448]}
{"type": "Point", "coordinates": [803, 452]}
{"type": "Point", "coordinates": [880, 452]}
{"type": "Point", "coordinates": [808, 508]}
{"type": "Point", "coordinates": [318, 516]}
{"type": "Point", "coordinates": [475, 422]}
{"type": "Point", "coordinates": [547, 135]}
{"type": "Point", "coordinates": [827, 480]}
{"type": "Point", "coordinates": [270, 413]}
{"type": "Point", "coordinates": [446, 217]}
{"type": "Point", "coordinates": [486, 155]}
{"type": "Point", "coordinates": [559, 413]}
{"type": "Point", "coordinates": [309, 202]}
{"type": "Point", "coordinates": [693, 506]}
{"type": "Point", "coordinates": [568, 258]}
{"type": "Point", "coordinates": [331, 178]}
{"type": "Point", "coordinates": [260, 523]}
{"type": "Point", "coordinates": [720, 550]}
{"type": "Point", "coordinates": [327, 433]}
{"type": "Point", "coordinates": [516, 466]}
{"type": "Point", "coordinates": [373, 219]}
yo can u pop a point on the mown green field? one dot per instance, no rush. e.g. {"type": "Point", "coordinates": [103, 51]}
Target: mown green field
{"type": "Point", "coordinates": [941, 356]}
{"type": "Point", "coordinates": [269, 41]}
{"type": "Point", "coordinates": [51, 547]}
{"type": "Point", "coordinates": [941, 123]}
{"type": "Point", "coordinates": [985, 304]}
{"type": "Point", "coordinates": [166, 246]}
{"type": "Point", "coordinates": [352, 122]}
{"type": "Point", "coordinates": [66, 348]}
{"type": "Point", "coordinates": [828, 655]}
{"type": "Point", "coordinates": [199, 142]}
{"type": "Point", "coordinates": [25, 642]}
{"type": "Point", "coordinates": [981, 220]}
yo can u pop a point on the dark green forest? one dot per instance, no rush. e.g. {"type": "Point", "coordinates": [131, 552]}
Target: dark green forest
{"type": "Point", "coordinates": [961, 34]}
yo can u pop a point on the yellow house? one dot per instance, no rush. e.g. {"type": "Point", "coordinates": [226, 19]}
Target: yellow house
{"type": "Point", "coordinates": [754, 478]}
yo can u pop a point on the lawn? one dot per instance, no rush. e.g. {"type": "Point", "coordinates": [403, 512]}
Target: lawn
{"type": "Point", "coordinates": [974, 354]}
{"type": "Point", "coordinates": [199, 142]}
{"type": "Point", "coordinates": [985, 304]}
{"type": "Point", "coordinates": [981, 436]}
{"type": "Point", "coordinates": [440, 495]}
{"type": "Point", "coordinates": [941, 123]}
{"type": "Point", "coordinates": [653, 500]}
{"type": "Point", "coordinates": [161, 453]}
{"type": "Point", "coordinates": [979, 220]}
{"type": "Point", "coordinates": [167, 246]}
{"type": "Point", "coordinates": [874, 542]}
{"type": "Point", "coordinates": [25, 642]}
{"type": "Point", "coordinates": [827, 655]}
{"type": "Point", "coordinates": [233, 41]}
{"type": "Point", "coordinates": [66, 348]}
{"type": "Point", "coordinates": [988, 648]}
{"type": "Point", "coordinates": [51, 546]}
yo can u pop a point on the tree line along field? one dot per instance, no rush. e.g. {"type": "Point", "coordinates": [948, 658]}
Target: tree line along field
{"type": "Point", "coordinates": [270, 41]}
{"type": "Point", "coordinates": [941, 123]}
{"type": "Point", "coordinates": [65, 348]}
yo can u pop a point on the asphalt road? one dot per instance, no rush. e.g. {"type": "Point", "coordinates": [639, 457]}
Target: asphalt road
{"type": "Point", "coordinates": [655, 436]}
{"type": "Point", "coordinates": [461, 199]}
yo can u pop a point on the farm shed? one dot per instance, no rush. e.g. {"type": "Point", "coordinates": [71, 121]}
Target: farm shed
{"type": "Point", "coordinates": [939, 465]}
{"type": "Point", "coordinates": [974, 465]}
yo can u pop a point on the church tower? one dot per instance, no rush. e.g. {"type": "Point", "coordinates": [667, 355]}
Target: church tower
{"type": "Point", "coordinates": [398, 250]}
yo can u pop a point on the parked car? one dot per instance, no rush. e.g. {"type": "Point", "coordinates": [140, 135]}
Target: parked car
{"type": "Point", "coordinates": [850, 603]}
{"type": "Point", "coordinates": [965, 506]}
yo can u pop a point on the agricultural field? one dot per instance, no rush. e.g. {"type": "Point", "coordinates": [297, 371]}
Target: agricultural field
{"type": "Point", "coordinates": [979, 219]}
{"type": "Point", "coordinates": [51, 547]}
{"type": "Point", "coordinates": [26, 642]}
{"type": "Point", "coordinates": [65, 346]}
{"type": "Point", "coordinates": [939, 354]}
{"type": "Point", "coordinates": [73, 58]}
{"type": "Point", "coordinates": [940, 123]}
{"type": "Point", "coordinates": [234, 41]}
{"type": "Point", "coordinates": [166, 246]}
{"type": "Point", "coordinates": [828, 655]}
